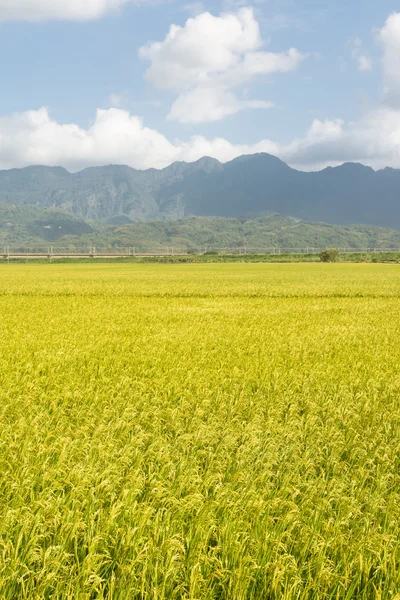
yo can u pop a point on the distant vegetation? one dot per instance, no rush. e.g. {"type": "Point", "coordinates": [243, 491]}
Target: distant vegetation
{"type": "Point", "coordinates": [329, 255]}
{"type": "Point", "coordinates": [27, 226]}
{"type": "Point", "coordinates": [272, 232]}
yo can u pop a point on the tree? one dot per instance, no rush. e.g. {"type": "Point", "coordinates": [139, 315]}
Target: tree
{"type": "Point", "coordinates": [329, 255]}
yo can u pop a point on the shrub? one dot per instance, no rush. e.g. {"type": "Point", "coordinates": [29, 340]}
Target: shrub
{"type": "Point", "coordinates": [329, 255]}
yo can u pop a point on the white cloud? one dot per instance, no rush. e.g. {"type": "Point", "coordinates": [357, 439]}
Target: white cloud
{"type": "Point", "coordinates": [207, 59]}
{"type": "Point", "coordinates": [33, 137]}
{"type": "Point", "coordinates": [372, 140]}
{"type": "Point", "coordinates": [389, 37]}
{"type": "Point", "coordinates": [39, 10]}
{"type": "Point", "coordinates": [116, 136]}
{"type": "Point", "coordinates": [212, 103]}
{"type": "Point", "coordinates": [206, 45]}
{"type": "Point", "coordinates": [364, 62]}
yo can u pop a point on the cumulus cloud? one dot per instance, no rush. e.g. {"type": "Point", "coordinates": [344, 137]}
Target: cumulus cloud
{"type": "Point", "coordinates": [33, 137]}
{"type": "Point", "coordinates": [372, 140]}
{"type": "Point", "coordinates": [389, 36]}
{"type": "Point", "coordinates": [207, 59]}
{"type": "Point", "coordinates": [39, 10]}
{"type": "Point", "coordinates": [204, 46]}
{"type": "Point", "coordinates": [116, 136]}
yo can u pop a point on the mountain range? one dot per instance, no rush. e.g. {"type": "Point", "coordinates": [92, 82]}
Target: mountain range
{"type": "Point", "coordinates": [246, 187]}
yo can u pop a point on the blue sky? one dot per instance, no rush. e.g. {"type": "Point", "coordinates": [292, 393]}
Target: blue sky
{"type": "Point", "coordinates": [108, 81]}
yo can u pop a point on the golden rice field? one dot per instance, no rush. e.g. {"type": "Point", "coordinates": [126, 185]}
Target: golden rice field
{"type": "Point", "coordinates": [199, 432]}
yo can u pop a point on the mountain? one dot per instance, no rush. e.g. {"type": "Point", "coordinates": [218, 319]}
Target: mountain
{"type": "Point", "coordinates": [102, 193]}
{"type": "Point", "coordinates": [248, 186]}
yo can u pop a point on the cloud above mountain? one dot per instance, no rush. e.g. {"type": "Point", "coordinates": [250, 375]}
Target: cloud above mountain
{"type": "Point", "coordinates": [33, 137]}
{"type": "Point", "coordinates": [208, 60]}
{"type": "Point", "coordinates": [116, 136]}
{"type": "Point", "coordinates": [374, 138]}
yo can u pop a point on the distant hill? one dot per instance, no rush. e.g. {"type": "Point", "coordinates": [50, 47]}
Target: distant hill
{"type": "Point", "coordinates": [32, 225]}
{"type": "Point", "coordinates": [248, 186]}
{"type": "Point", "coordinates": [208, 233]}
{"type": "Point", "coordinates": [198, 233]}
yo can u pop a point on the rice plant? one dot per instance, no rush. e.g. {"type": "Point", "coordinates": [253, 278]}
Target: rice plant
{"type": "Point", "coordinates": [216, 431]}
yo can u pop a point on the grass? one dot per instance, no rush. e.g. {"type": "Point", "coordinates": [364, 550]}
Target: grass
{"type": "Point", "coordinates": [214, 257]}
{"type": "Point", "coordinates": [207, 431]}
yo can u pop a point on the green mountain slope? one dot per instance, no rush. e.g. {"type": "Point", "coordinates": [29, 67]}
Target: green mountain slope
{"type": "Point", "coordinates": [30, 225]}
{"type": "Point", "coordinates": [200, 233]}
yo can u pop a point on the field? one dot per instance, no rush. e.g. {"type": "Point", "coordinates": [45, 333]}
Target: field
{"type": "Point", "coordinates": [205, 431]}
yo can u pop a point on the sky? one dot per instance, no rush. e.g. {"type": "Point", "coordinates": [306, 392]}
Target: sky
{"type": "Point", "coordinates": [149, 82]}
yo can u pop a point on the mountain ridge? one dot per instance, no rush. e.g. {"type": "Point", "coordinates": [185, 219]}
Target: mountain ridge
{"type": "Point", "coordinates": [198, 161]}
{"type": "Point", "coordinates": [249, 185]}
